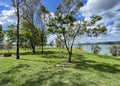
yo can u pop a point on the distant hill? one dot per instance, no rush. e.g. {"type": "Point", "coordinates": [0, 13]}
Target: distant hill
{"type": "Point", "coordinates": [110, 42]}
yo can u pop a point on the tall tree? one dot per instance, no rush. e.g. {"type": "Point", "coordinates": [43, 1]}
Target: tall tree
{"type": "Point", "coordinates": [42, 14]}
{"type": "Point", "coordinates": [29, 11]}
{"type": "Point", "coordinates": [16, 5]}
{"type": "Point", "coordinates": [65, 24]}
{"type": "Point", "coordinates": [1, 37]}
{"type": "Point", "coordinates": [26, 35]}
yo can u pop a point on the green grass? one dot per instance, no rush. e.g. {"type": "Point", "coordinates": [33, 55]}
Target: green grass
{"type": "Point", "coordinates": [52, 69]}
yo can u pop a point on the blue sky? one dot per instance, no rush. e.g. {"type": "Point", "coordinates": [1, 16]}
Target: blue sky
{"type": "Point", "coordinates": [108, 9]}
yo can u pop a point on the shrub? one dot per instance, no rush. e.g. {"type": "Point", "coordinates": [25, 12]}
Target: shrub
{"type": "Point", "coordinates": [95, 49]}
{"type": "Point", "coordinates": [115, 50]}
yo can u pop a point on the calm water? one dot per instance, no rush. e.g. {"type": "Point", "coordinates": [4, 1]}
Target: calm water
{"type": "Point", "coordinates": [105, 49]}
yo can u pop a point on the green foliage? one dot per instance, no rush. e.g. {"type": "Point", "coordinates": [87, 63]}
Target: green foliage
{"type": "Point", "coordinates": [115, 50]}
{"type": "Point", "coordinates": [79, 46]}
{"type": "Point", "coordinates": [11, 33]}
{"type": "Point", "coordinates": [1, 35]}
{"type": "Point", "coordinates": [26, 34]}
{"type": "Point", "coordinates": [95, 19]}
{"type": "Point", "coordinates": [51, 43]}
{"type": "Point", "coordinates": [63, 23]}
{"type": "Point", "coordinates": [59, 43]}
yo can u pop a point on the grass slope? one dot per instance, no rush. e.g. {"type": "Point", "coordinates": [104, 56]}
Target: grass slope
{"type": "Point", "coordinates": [52, 69]}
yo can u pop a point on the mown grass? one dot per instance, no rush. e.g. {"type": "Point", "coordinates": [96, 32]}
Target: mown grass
{"type": "Point", "coordinates": [52, 69]}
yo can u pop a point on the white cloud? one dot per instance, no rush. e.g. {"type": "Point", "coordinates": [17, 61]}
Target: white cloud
{"type": "Point", "coordinates": [7, 17]}
{"type": "Point", "coordinates": [108, 10]}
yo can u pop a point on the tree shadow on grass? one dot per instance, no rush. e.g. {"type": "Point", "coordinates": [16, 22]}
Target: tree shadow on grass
{"type": "Point", "coordinates": [108, 57]}
{"type": "Point", "coordinates": [84, 64]}
{"type": "Point", "coordinates": [6, 76]}
{"type": "Point", "coordinates": [55, 55]}
{"type": "Point", "coordinates": [44, 77]}
{"type": "Point", "coordinates": [4, 81]}
{"type": "Point", "coordinates": [38, 52]}
{"type": "Point", "coordinates": [53, 77]}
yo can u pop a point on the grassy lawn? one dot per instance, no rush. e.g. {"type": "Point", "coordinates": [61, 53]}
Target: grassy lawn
{"type": "Point", "coordinates": [52, 69]}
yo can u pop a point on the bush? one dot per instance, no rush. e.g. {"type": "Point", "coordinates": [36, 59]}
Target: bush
{"type": "Point", "coordinates": [95, 49]}
{"type": "Point", "coordinates": [115, 50]}
{"type": "Point", "coordinates": [7, 54]}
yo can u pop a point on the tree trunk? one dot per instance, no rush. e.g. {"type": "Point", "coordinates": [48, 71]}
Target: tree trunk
{"type": "Point", "coordinates": [42, 40]}
{"type": "Point", "coordinates": [69, 57]}
{"type": "Point", "coordinates": [42, 48]}
{"type": "Point", "coordinates": [25, 46]}
{"type": "Point", "coordinates": [33, 32]}
{"type": "Point", "coordinates": [17, 51]}
{"type": "Point", "coordinates": [33, 49]}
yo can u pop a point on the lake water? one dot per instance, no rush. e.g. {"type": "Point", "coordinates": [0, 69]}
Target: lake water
{"type": "Point", "coordinates": [105, 49]}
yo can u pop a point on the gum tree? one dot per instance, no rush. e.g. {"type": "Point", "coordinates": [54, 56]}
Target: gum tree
{"type": "Point", "coordinates": [68, 27]}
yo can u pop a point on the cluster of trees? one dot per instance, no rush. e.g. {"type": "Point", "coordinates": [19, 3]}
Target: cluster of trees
{"type": "Point", "coordinates": [25, 36]}
{"type": "Point", "coordinates": [30, 16]}
{"type": "Point", "coordinates": [31, 25]}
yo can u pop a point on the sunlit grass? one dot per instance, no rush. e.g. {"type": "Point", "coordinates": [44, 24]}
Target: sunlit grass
{"type": "Point", "coordinates": [52, 69]}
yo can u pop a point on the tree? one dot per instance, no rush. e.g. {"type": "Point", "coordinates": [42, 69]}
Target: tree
{"type": "Point", "coordinates": [28, 14]}
{"type": "Point", "coordinates": [79, 46]}
{"type": "Point", "coordinates": [115, 50]}
{"type": "Point", "coordinates": [42, 14]}
{"type": "Point", "coordinates": [1, 37]}
{"type": "Point", "coordinates": [95, 49]}
{"type": "Point", "coordinates": [65, 24]}
{"type": "Point", "coordinates": [8, 45]}
{"type": "Point", "coordinates": [16, 5]}
{"type": "Point", "coordinates": [11, 33]}
{"type": "Point", "coordinates": [26, 35]}
{"type": "Point", "coordinates": [59, 43]}
{"type": "Point", "coordinates": [51, 43]}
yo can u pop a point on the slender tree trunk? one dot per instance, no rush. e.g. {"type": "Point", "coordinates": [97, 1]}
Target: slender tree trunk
{"type": "Point", "coordinates": [25, 46]}
{"type": "Point", "coordinates": [42, 40]}
{"type": "Point", "coordinates": [17, 52]}
{"type": "Point", "coordinates": [33, 32]}
{"type": "Point", "coordinates": [33, 49]}
{"type": "Point", "coordinates": [70, 57]}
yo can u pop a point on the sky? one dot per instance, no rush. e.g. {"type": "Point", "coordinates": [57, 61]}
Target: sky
{"type": "Point", "coordinates": [109, 10]}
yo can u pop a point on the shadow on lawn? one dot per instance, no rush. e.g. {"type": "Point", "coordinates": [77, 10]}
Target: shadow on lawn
{"type": "Point", "coordinates": [47, 54]}
{"type": "Point", "coordinates": [108, 57]}
{"type": "Point", "coordinates": [38, 52]}
{"type": "Point", "coordinates": [6, 76]}
{"type": "Point", "coordinates": [84, 64]}
{"type": "Point", "coordinates": [52, 77]}
{"type": "Point", "coordinates": [45, 77]}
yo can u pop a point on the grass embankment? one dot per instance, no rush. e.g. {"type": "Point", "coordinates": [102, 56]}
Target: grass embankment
{"type": "Point", "coordinates": [52, 69]}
